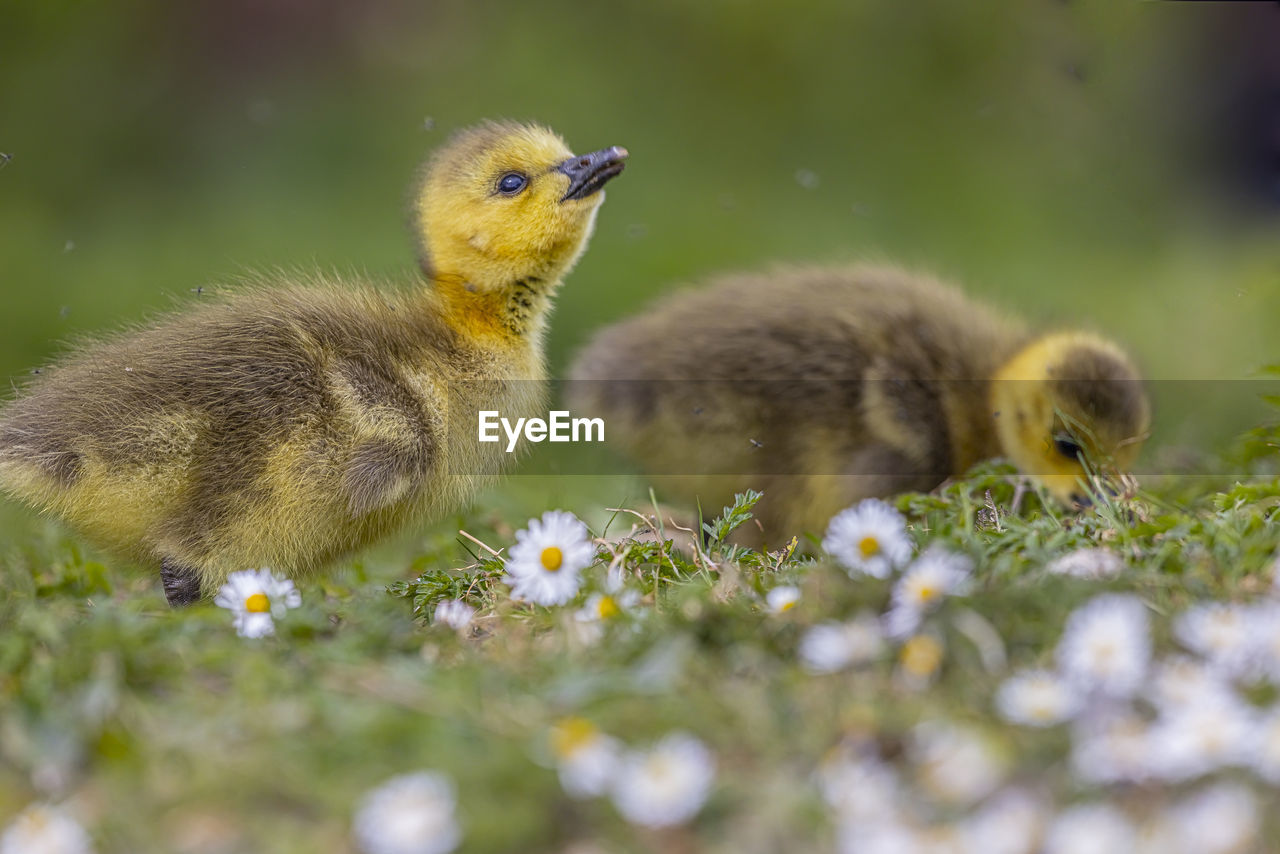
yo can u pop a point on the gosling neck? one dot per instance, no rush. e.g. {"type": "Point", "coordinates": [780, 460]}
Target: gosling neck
{"type": "Point", "coordinates": [517, 309]}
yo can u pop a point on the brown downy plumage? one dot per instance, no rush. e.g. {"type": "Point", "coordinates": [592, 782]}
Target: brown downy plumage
{"type": "Point", "coordinates": [821, 386]}
{"type": "Point", "coordinates": [305, 417]}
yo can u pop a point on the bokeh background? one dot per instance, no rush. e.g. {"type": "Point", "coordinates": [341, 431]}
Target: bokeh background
{"type": "Point", "coordinates": [1108, 164]}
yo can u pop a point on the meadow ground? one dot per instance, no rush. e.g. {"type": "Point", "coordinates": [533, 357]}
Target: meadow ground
{"type": "Point", "coordinates": [1020, 680]}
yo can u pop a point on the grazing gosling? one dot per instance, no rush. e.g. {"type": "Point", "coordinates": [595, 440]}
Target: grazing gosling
{"type": "Point", "coordinates": [302, 419]}
{"type": "Point", "coordinates": [822, 386]}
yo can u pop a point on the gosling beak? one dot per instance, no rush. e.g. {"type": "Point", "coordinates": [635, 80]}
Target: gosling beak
{"type": "Point", "coordinates": [589, 172]}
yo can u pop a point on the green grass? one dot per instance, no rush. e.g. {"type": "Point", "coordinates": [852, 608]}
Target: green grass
{"type": "Point", "coordinates": [164, 731]}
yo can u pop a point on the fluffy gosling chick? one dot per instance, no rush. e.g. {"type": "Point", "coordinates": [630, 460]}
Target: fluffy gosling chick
{"type": "Point", "coordinates": [301, 419]}
{"type": "Point", "coordinates": [822, 386]}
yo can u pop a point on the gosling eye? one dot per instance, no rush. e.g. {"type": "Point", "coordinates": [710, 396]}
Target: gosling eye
{"type": "Point", "coordinates": [512, 183]}
{"type": "Point", "coordinates": [1068, 448]}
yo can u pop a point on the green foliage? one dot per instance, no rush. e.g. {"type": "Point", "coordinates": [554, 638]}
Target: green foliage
{"type": "Point", "coordinates": [733, 517]}
{"type": "Point", "coordinates": [104, 690]}
{"type": "Point", "coordinates": [473, 585]}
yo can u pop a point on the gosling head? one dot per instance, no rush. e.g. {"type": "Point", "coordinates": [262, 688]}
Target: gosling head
{"type": "Point", "coordinates": [505, 202]}
{"type": "Point", "coordinates": [1070, 406]}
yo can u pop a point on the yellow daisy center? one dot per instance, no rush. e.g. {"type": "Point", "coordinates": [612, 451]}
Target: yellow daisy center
{"type": "Point", "coordinates": [660, 767]}
{"type": "Point", "coordinates": [551, 558]}
{"type": "Point", "coordinates": [869, 546]}
{"type": "Point", "coordinates": [921, 656]}
{"type": "Point", "coordinates": [608, 607]}
{"type": "Point", "coordinates": [258, 603]}
{"type": "Point", "coordinates": [788, 605]}
{"type": "Point", "coordinates": [571, 735]}
{"type": "Point", "coordinates": [926, 593]}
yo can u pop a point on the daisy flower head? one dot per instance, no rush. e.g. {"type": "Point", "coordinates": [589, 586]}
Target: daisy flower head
{"type": "Point", "coordinates": [454, 613]}
{"type": "Point", "coordinates": [547, 559]}
{"type": "Point", "coordinates": [45, 829]}
{"type": "Point", "coordinates": [935, 575]}
{"type": "Point", "coordinates": [920, 659]}
{"type": "Point", "coordinates": [1178, 681]}
{"type": "Point", "coordinates": [665, 785]}
{"type": "Point", "coordinates": [1009, 822]}
{"type": "Point", "coordinates": [1111, 745]}
{"type": "Point", "coordinates": [256, 598]}
{"type": "Point", "coordinates": [1201, 737]}
{"type": "Point", "coordinates": [1264, 758]}
{"type": "Point", "coordinates": [1220, 632]}
{"type": "Point", "coordinates": [955, 764]}
{"type": "Point", "coordinates": [1097, 562]}
{"type": "Point", "coordinates": [600, 608]}
{"type": "Point", "coordinates": [885, 835]}
{"type": "Point", "coordinates": [585, 757]}
{"type": "Point", "coordinates": [409, 814]}
{"type": "Point", "coordinates": [859, 785]}
{"type": "Point", "coordinates": [869, 538]}
{"type": "Point", "coordinates": [1265, 639]}
{"type": "Point", "coordinates": [1038, 698]}
{"type": "Point", "coordinates": [832, 646]}
{"type": "Point", "coordinates": [782, 598]}
{"type": "Point", "coordinates": [1106, 646]}
{"type": "Point", "coordinates": [1223, 818]}
{"type": "Point", "coordinates": [1095, 828]}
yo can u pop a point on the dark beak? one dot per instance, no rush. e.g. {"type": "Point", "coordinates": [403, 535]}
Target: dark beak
{"type": "Point", "coordinates": [589, 172]}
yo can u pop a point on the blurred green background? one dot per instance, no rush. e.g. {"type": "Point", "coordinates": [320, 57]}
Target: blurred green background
{"type": "Point", "coordinates": [1106, 164]}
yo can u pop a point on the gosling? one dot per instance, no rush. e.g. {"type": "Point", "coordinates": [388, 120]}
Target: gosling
{"type": "Point", "coordinates": [303, 418]}
{"type": "Point", "coordinates": [822, 386]}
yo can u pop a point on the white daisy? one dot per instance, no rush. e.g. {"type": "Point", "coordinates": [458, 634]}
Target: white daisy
{"type": "Point", "coordinates": [585, 757]}
{"type": "Point", "coordinates": [919, 660]}
{"type": "Point", "coordinates": [1111, 746]}
{"type": "Point", "coordinates": [255, 597]}
{"type": "Point", "coordinates": [886, 835]}
{"type": "Point", "coordinates": [1159, 835]}
{"type": "Point", "coordinates": [1037, 698]}
{"type": "Point", "coordinates": [782, 598]}
{"type": "Point", "coordinates": [832, 646]}
{"type": "Point", "coordinates": [1105, 646]}
{"type": "Point", "coordinates": [1220, 819]}
{"type": "Point", "coordinates": [547, 558]}
{"type": "Point", "coordinates": [588, 621]}
{"type": "Point", "coordinates": [1180, 680]}
{"type": "Point", "coordinates": [935, 575]}
{"type": "Point", "coordinates": [665, 785]}
{"type": "Point", "coordinates": [869, 538]}
{"type": "Point", "coordinates": [1264, 629]}
{"type": "Point", "coordinates": [859, 787]}
{"type": "Point", "coordinates": [1087, 563]}
{"type": "Point", "coordinates": [409, 814]}
{"type": "Point", "coordinates": [1200, 737]}
{"type": "Point", "coordinates": [44, 829]}
{"type": "Point", "coordinates": [1010, 822]}
{"type": "Point", "coordinates": [1264, 758]}
{"type": "Point", "coordinates": [1220, 632]}
{"type": "Point", "coordinates": [602, 607]}
{"type": "Point", "coordinates": [454, 613]}
{"type": "Point", "coordinates": [1091, 829]}
{"type": "Point", "coordinates": [955, 764]}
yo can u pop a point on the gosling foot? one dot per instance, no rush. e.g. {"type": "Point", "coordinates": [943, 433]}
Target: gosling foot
{"type": "Point", "coordinates": [181, 583]}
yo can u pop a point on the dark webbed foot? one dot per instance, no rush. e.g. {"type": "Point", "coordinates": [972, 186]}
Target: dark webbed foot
{"type": "Point", "coordinates": [181, 583]}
